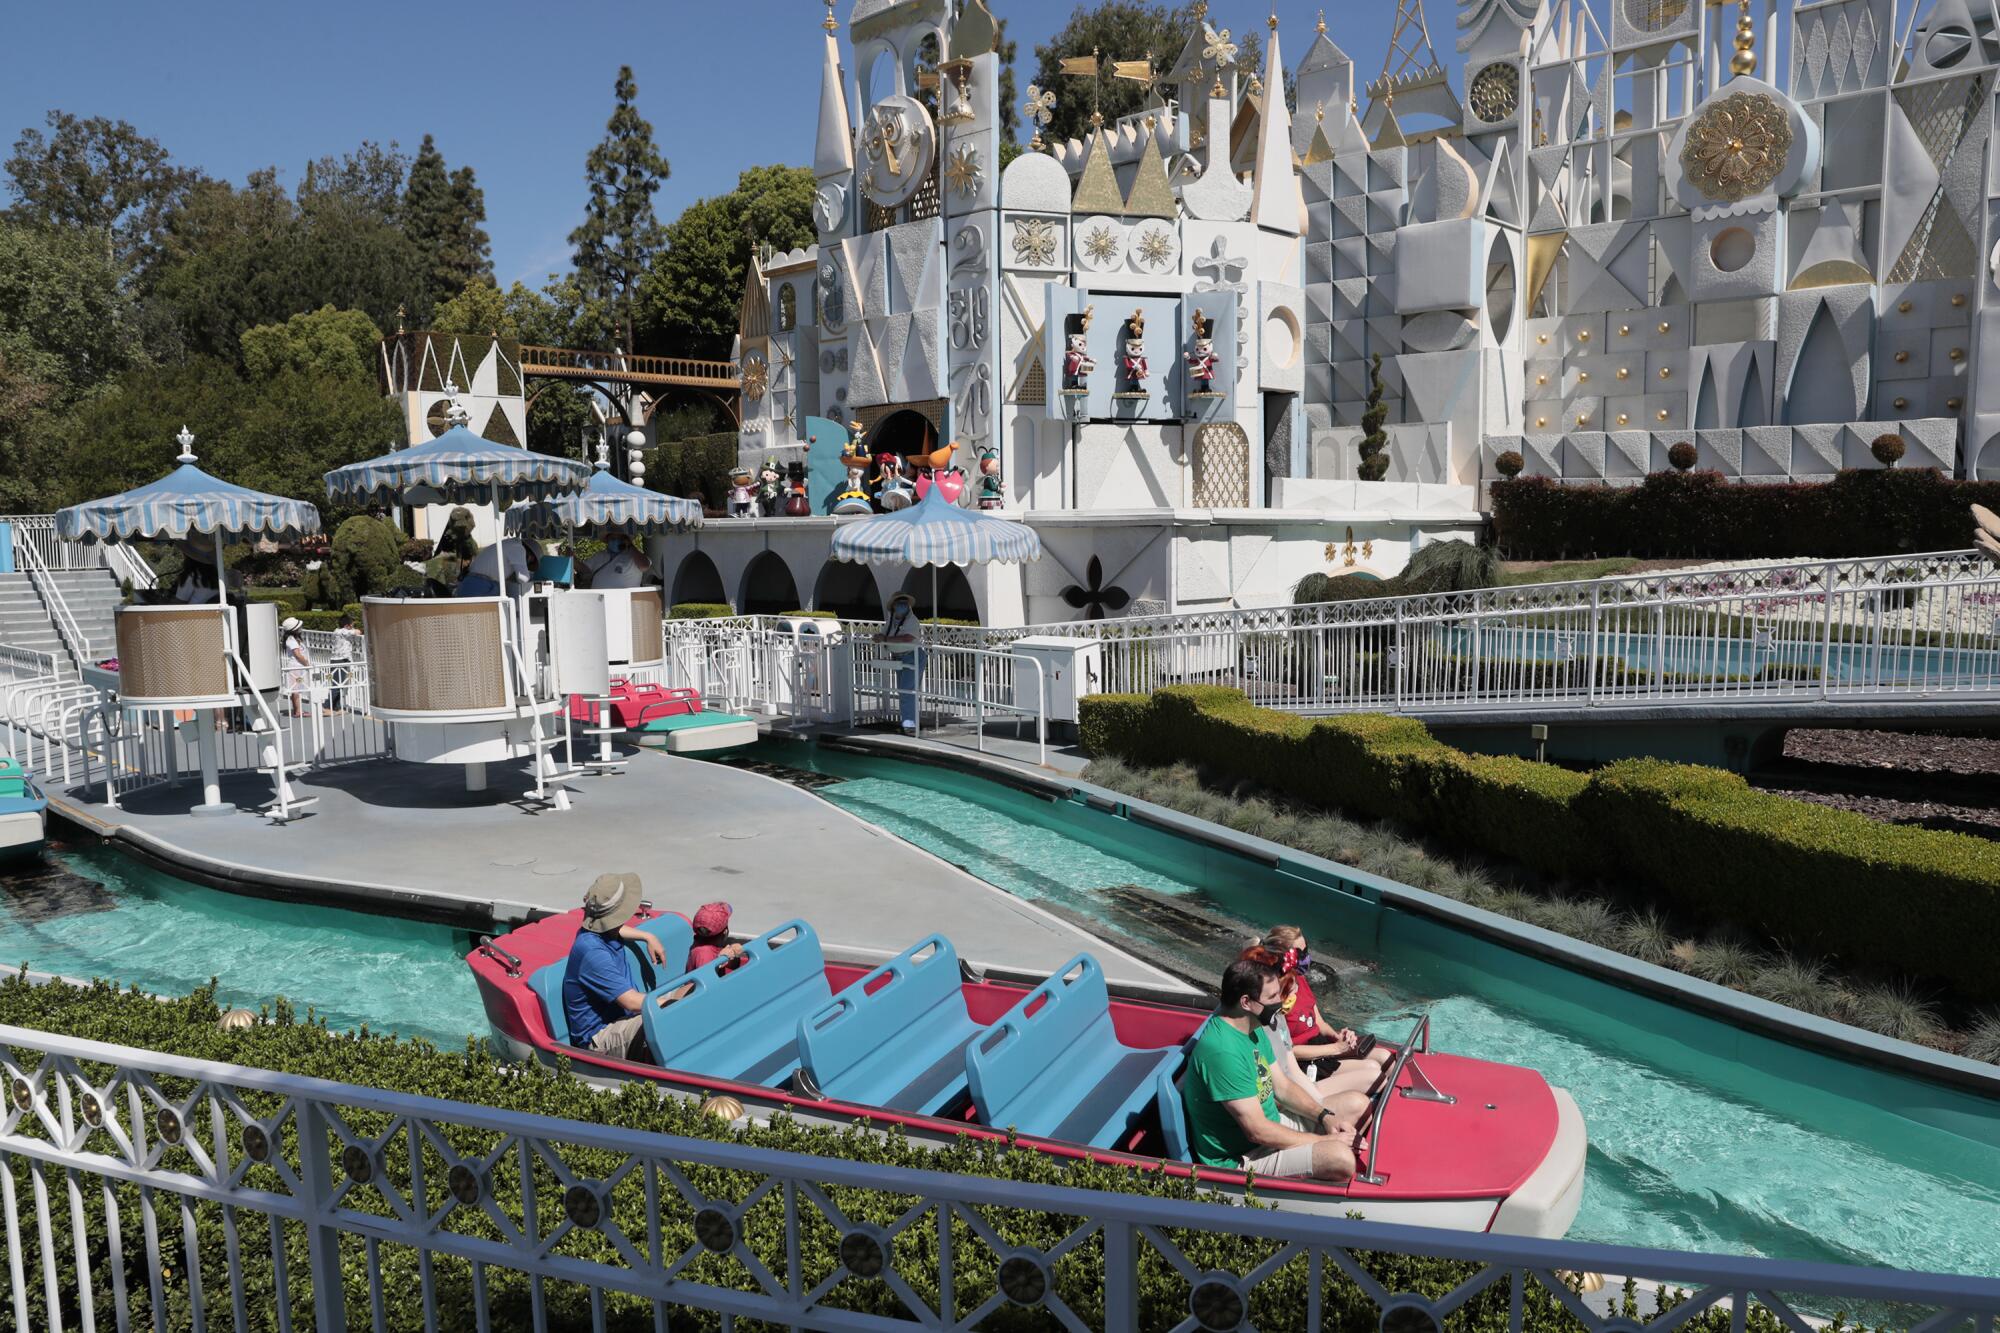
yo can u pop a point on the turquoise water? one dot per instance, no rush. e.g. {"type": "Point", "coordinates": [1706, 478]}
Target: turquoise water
{"type": "Point", "coordinates": [1696, 1143]}
{"type": "Point", "coordinates": [97, 913]}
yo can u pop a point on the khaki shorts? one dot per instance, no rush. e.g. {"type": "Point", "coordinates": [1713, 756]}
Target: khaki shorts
{"type": "Point", "coordinates": [1294, 1161]}
{"type": "Point", "coordinates": [617, 1039]}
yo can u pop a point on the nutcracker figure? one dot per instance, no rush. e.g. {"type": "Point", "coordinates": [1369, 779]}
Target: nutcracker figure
{"type": "Point", "coordinates": [1201, 357]}
{"type": "Point", "coordinates": [1132, 355]}
{"type": "Point", "coordinates": [1077, 363]}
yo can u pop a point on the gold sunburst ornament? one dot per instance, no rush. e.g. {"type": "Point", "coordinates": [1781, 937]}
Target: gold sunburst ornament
{"type": "Point", "coordinates": [1155, 248]}
{"type": "Point", "coordinates": [1737, 147]}
{"type": "Point", "coordinates": [1101, 244]}
{"type": "Point", "coordinates": [756, 376]}
{"type": "Point", "coordinates": [1034, 242]}
{"type": "Point", "coordinates": [962, 171]}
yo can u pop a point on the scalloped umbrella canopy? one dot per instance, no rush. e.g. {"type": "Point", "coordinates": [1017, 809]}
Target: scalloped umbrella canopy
{"type": "Point", "coordinates": [460, 468]}
{"type": "Point", "coordinates": [606, 504]}
{"type": "Point", "coordinates": [934, 531]}
{"type": "Point", "coordinates": [184, 503]}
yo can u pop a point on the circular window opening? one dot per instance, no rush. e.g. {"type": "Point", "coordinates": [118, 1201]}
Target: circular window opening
{"type": "Point", "coordinates": [1281, 337]}
{"type": "Point", "coordinates": [1732, 248]}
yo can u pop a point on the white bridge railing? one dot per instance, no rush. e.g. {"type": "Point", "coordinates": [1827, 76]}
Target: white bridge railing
{"type": "Point", "coordinates": [141, 1189]}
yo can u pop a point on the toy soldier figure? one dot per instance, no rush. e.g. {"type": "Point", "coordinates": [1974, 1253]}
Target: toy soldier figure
{"type": "Point", "coordinates": [1132, 355]}
{"type": "Point", "coordinates": [1201, 358]}
{"type": "Point", "coordinates": [1077, 363]}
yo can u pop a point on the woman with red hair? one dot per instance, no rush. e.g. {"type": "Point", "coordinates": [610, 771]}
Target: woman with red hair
{"type": "Point", "coordinates": [1335, 1059]}
{"type": "Point", "coordinates": [1348, 1103]}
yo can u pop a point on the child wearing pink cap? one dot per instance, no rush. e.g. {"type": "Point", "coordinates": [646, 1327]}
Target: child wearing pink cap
{"type": "Point", "coordinates": [711, 934]}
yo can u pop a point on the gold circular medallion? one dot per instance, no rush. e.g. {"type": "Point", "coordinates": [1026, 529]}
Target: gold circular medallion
{"type": "Point", "coordinates": [1495, 92]}
{"type": "Point", "coordinates": [1737, 147]}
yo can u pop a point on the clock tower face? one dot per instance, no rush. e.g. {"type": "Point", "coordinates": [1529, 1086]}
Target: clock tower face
{"type": "Point", "coordinates": [898, 143]}
{"type": "Point", "coordinates": [830, 206]}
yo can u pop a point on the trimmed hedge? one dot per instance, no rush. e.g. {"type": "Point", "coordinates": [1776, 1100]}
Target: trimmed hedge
{"type": "Point", "coordinates": [1914, 901]}
{"type": "Point", "coordinates": [1859, 512]}
{"type": "Point", "coordinates": [187, 1027]}
{"type": "Point", "coordinates": [700, 611]}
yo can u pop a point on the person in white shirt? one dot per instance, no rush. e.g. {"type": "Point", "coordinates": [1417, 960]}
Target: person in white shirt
{"type": "Point", "coordinates": [298, 666]}
{"type": "Point", "coordinates": [902, 636]}
{"type": "Point", "coordinates": [341, 660]}
{"type": "Point", "coordinates": [618, 565]}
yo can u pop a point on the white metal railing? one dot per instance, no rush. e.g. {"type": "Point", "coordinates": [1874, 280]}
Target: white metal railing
{"type": "Point", "coordinates": [67, 629]}
{"type": "Point", "coordinates": [954, 684]}
{"type": "Point", "coordinates": [36, 534]}
{"type": "Point", "coordinates": [140, 1188]}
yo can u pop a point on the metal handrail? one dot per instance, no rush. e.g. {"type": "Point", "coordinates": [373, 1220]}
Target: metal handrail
{"type": "Point", "coordinates": [1418, 1040]}
{"type": "Point", "coordinates": [59, 613]}
{"type": "Point", "coordinates": [62, 1126]}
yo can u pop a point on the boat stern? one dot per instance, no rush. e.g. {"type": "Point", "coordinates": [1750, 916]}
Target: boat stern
{"type": "Point", "coordinates": [1547, 1201]}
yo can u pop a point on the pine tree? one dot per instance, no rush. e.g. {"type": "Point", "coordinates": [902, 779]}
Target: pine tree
{"type": "Point", "coordinates": [620, 232]}
{"type": "Point", "coordinates": [1374, 440]}
{"type": "Point", "coordinates": [441, 215]}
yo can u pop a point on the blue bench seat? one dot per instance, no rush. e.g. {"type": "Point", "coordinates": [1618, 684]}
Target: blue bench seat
{"type": "Point", "coordinates": [675, 936]}
{"type": "Point", "coordinates": [1176, 1142]}
{"type": "Point", "coordinates": [1053, 1066]}
{"type": "Point", "coordinates": [896, 1038]}
{"type": "Point", "coordinates": [742, 1023]}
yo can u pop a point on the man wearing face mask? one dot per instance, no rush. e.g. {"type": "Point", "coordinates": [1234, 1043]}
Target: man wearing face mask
{"type": "Point", "coordinates": [1234, 1093]}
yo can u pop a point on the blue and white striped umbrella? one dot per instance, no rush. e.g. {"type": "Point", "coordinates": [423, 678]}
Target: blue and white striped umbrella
{"type": "Point", "coordinates": [934, 531]}
{"type": "Point", "coordinates": [184, 503]}
{"type": "Point", "coordinates": [458, 467]}
{"type": "Point", "coordinates": [605, 505]}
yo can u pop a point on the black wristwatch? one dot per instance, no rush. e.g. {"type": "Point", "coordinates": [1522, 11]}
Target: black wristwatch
{"type": "Point", "coordinates": [1323, 1114]}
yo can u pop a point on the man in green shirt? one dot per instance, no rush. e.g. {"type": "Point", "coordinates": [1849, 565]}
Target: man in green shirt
{"type": "Point", "coordinates": [1233, 1093]}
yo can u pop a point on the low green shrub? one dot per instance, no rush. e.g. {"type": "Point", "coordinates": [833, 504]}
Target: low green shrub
{"type": "Point", "coordinates": [1915, 901]}
{"type": "Point", "coordinates": [700, 611]}
{"type": "Point", "coordinates": [187, 1027]}
{"type": "Point", "coordinates": [1911, 901]}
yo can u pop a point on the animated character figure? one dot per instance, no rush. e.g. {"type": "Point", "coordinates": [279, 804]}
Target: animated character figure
{"type": "Point", "coordinates": [853, 497]}
{"type": "Point", "coordinates": [990, 494]}
{"type": "Point", "coordinates": [742, 494]}
{"type": "Point", "coordinates": [1201, 357]}
{"type": "Point", "coordinates": [1132, 356]}
{"type": "Point", "coordinates": [769, 489]}
{"type": "Point", "coordinates": [1077, 362]}
{"type": "Point", "coordinates": [797, 503]}
{"type": "Point", "coordinates": [892, 489]}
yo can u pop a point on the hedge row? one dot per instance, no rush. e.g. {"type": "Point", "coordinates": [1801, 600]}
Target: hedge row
{"type": "Point", "coordinates": [1913, 901]}
{"type": "Point", "coordinates": [1870, 512]}
{"type": "Point", "coordinates": [187, 1027]}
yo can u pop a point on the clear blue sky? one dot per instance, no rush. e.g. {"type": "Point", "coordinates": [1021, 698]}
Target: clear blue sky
{"type": "Point", "coordinates": [519, 91]}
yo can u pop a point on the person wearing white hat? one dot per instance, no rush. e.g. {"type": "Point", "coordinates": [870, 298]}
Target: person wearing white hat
{"type": "Point", "coordinates": [298, 666]}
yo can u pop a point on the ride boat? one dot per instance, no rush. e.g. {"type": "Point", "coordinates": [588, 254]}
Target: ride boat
{"type": "Point", "coordinates": [23, 811]}
{"type": "Point", "coordinates": [925, 1044]}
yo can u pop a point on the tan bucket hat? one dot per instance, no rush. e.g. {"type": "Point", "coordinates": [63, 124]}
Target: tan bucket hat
{"type": "Point", "coordinates": [610, 901]}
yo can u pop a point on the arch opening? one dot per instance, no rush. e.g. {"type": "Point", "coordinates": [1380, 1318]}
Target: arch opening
{"type": "Point", "coordinates": [954, 599]}
{"type": "Point", "coordinates": [698, 580]}
{"type": "Point", "coordinates": [848, 590]}
{"type": "Point", "coordinates": [768, 587]}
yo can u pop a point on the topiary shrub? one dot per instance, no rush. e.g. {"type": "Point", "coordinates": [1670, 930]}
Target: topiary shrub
{"type": "Point", "coordinates": [1888, 449]}
{"type": "Point", "coordinates": [1509, 463]}
{"type": "Point", "coordinates": [366, 559]}
{"type": "Point", "coordinates": [1682, 455]}
{"type": "Point", "coordinates": [1374, 444]}
{"type": "Point", "coordinates": [700, 611]}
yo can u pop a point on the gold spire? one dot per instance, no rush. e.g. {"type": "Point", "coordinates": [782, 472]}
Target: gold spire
{"type": "Point", "coordinates": [830, 23]}
{"type": "Point", "coordinates": [1322, 20]}
{"type": "Point", "coordinates": [1274, 18]}
{"type": "Point", "coordinates": [1745, 59]}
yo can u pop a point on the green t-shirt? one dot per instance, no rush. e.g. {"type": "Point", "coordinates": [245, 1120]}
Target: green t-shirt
{"type": "Point", "coordinates": [1225, 1066]}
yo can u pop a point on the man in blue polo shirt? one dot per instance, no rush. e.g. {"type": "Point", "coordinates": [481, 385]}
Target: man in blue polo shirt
{"type": "Point", "coordinates": [600, 1002]}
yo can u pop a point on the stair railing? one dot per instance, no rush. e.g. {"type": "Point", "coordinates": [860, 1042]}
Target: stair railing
{"type": "Point", "coordinates": [67, 629]}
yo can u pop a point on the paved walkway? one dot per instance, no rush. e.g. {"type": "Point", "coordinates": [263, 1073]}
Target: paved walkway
{"type": "Point", "coordinates": [410, 836]}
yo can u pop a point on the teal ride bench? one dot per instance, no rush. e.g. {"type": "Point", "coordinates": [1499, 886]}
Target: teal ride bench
{"type": "Point", "coordinates": [1053, 1065]}
{"type": "Point", "coordinates": [742, 1023]}
{"type": "Point", "coordinates": [693, 733]}
{"type": "Point", "coordinates": [1176, 1143]}
{"type": "Point", "coordinates": [673, 932]}
{"type": "Point", "coordinates": [896, 1038]}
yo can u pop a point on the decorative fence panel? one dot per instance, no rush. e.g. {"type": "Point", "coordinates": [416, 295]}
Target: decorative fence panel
{"type": "Point", "coordinates": [140, 1188]}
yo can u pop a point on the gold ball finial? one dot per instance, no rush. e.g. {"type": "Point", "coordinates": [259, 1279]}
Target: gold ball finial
{"type": "Point", "coordinates": [1217, 91]}
{"type": "Point", "coordinates": [830, 23]}
{"type": "Point", "coordinates": [1745, 59]}
{"type": "Point", "coordinates": [1322, 20]}
{"type": "Point", "coordinates": [1096, 119]}
{"type": "Point", "coordinates": [1274, 18]}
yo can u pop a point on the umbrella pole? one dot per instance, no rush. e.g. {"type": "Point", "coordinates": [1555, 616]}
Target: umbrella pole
{"type": "Point", "coordinates": [211, 780]}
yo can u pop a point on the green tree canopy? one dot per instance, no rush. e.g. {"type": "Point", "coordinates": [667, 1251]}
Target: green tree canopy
{"type": "Point", "coordinates": [61, 310]}
{"type": "Point", "coordinates": [562, 415]}
{"type": "Point", "coordinates": [692, 297]}
{"type": "Point", "coordinates": [1119, 30]}
{"type": "Point", "coordinates": [441, 213]}
{"type": "Point", "coordinates": [620, 232]}
{"type": "Point", "coordinates": [101, 177]}
{"type": "Point", "coordinates": [326, 341]}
